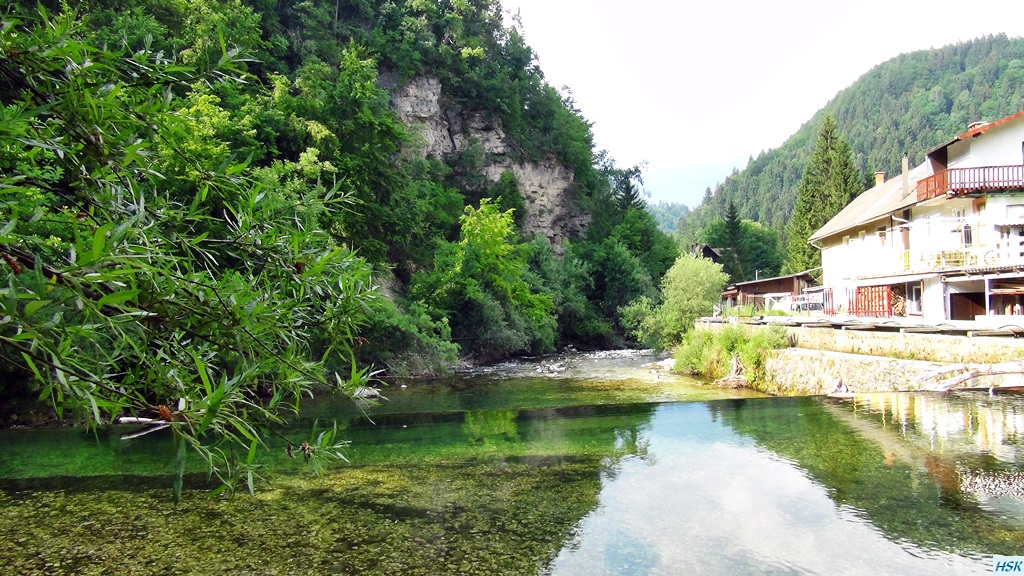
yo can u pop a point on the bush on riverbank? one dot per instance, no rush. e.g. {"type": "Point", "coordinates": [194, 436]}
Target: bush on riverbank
{"type": "Point", "coordinates": [709, 353]}
{"type": "Point", "coordinates": [689, 290]}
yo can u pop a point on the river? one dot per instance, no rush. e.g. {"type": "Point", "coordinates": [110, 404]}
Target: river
{"type": "Point", "coordinates": [580, 464]}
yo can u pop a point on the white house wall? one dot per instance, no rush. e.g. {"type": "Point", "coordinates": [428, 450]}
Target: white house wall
{"type": "Point", "coordinates": [835, 274]}
{"type": "Point", "coordinates": [933, 300]}
{"type": "Point", "coordinates": [1000, 146]}
{"type": "Point", "coordinates": [855, 257]}
{"type": "Point", "coordinates": [1003, 209]}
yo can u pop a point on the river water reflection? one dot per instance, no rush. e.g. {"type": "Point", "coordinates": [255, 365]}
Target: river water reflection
{"type": "Point", "coordinates": [574, 465]}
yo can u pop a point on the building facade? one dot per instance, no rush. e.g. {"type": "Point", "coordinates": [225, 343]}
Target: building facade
{"type": "Point", "coordinates": [941, 241]}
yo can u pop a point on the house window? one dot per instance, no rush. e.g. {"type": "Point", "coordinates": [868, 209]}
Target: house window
{"type": "Point", "coordinates": [968, 236]}
{"type": "Point", "coordinates": [860, 235]}
{"type": "Point", "coordinates": [846, 240]}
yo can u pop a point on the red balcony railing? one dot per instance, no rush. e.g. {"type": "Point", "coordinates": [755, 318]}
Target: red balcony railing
{"type": "Point", "coordinates": [872, 301]}
{"type": "Point", "coordinates": [958, 181]}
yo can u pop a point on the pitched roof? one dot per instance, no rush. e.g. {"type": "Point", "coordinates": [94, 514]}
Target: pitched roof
{"type": "Point", "coordinates": [978, 130]}
{"type": "Point", "coordinates": [875, 203]}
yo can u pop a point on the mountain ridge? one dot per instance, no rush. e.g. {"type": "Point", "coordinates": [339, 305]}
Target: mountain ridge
{"type": "Point", "coordinates": [909, 103]}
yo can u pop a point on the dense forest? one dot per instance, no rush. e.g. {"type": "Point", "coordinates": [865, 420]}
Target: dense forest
{"type": "Point", "coordinates": [908, 104]}
{"type": "Point", "coordinates": [668, 214]}
{"type": "Point", "coordinates": [208, 208]}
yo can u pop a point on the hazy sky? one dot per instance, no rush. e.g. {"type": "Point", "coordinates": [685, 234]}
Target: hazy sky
{"type": "Point", "coordinates": [697, 88]}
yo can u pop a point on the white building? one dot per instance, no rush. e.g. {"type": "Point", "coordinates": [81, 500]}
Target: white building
{"type": "Point", "coordinates": [942, 241]}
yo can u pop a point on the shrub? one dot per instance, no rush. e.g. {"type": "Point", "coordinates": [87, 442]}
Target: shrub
{"type": "Point", "coordinates": [700, 354]}
{"type": "Point", "coordinates": [408, 342]}
{"type": "Point", "coordinates": [709, 352]}
{"type": "Point", "coordinates": [689, 290]}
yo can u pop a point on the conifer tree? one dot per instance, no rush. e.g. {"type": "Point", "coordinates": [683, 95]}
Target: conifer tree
{"type": "Point", "coordinates": [734, 257]}
{"type": "Point", "coordinates": [628, 194]}
{"type": "Point", "coordinates": [830, 181]}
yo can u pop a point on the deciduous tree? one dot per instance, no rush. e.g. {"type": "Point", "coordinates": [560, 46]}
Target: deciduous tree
{"type": "Point", "coordinates": [145, 271]}
{"type": "Point", "coordinates": [479, 283]}
{"type": "Point", "coordinates": [689, 290]}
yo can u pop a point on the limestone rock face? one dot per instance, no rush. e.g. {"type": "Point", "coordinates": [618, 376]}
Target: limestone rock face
{"type": "Point", "coordinates": [547, 187]}
{"type": "Point", "coordinates": [548, 191]}
{"type": "Point", "coordinates": [418, 105]}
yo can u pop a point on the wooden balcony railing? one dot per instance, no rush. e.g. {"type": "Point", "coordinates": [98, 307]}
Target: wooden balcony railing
{"type": "Point", "coordinates": [958, 181]}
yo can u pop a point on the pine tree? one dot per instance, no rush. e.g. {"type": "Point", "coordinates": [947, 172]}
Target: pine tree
{"type": "Point", "coordinates": [734, 257]}
{"type": "Point", "coordinates": [830, 182]}
{"type": "Point", "coordinates": [629, 194]}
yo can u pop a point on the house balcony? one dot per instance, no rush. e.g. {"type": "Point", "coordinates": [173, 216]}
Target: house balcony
{"type": "Point", "coordinates": [961, 181]}
{"type": "Point", "coordinates": [1006, 254]}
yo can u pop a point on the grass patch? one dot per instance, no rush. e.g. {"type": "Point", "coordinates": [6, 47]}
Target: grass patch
{"type": "Point", "coordinates": [708, 352]}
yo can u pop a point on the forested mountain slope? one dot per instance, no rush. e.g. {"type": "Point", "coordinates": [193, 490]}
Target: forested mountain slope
{"type": "Point", "coordinates": [910, 104]}
{"type": "Point", "coordinates": [668, 214]}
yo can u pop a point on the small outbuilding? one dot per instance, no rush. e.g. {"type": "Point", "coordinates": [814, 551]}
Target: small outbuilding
{"type": "Point", "coordinates": [779, 292]}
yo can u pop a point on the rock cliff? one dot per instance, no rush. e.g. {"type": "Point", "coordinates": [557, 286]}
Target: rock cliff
{"type": "Point", "coordinates": [547, 187]}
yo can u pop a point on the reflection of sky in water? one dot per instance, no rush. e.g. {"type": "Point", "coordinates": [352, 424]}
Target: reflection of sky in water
{"type": "Point", "coordinates": [706, 501]}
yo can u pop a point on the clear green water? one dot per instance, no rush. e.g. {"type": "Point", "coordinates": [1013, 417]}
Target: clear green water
{"type": "Point", "coordinates": [515, 471]}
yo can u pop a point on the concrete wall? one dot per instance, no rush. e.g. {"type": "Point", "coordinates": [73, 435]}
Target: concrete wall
{"type": "Point", "coordinates": [933, 301]}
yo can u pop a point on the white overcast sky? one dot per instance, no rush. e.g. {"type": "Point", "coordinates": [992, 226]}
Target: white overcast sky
{"type": "Point", "coordinates": [697, 88]}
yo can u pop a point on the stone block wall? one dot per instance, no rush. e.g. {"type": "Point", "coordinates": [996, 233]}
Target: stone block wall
{"type": "Point", "coordinates": [910, 346]}
{"type": "Point", "coordinates": [796, 371]}
{"type": "Point", "coordinates": [802, 371]}
{"type": "Point", "coordinates": [877, 361]}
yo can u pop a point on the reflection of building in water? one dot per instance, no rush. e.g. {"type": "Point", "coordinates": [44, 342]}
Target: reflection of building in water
{"type": "Point", "coordinates": [993, 425]}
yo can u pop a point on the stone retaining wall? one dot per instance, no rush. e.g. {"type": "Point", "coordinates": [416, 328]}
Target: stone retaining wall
{"type": "Point", "coordinates": [802, 371]}
{"type": "Point", "coordinates": [877, 361]}
{"type": "Point", "coordinates": [795, 371]}
{"type": "Point", "coordinates": [910, 346]}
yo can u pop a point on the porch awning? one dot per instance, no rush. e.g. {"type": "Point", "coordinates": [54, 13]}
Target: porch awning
{"type": "Point", "coordinates": [991, 276]}
{"type": "Point", "coordinates": [888, 280]}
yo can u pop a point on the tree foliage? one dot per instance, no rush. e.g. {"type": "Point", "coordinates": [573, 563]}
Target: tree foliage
{"type": "Point", "coordinates": [149, 272]}
{"type": "Point", "coordinates": [689, 290]}
{"type": "Point", "coordinates": [479, 284]}
{"type": "Point", "coordinates": [668, 214]}
{"type": "Point", "coordinates": [759, 247]}
{"type": "Point", "coordinates": [830, 182]}
{"type": "Point", "coordinates": [734, 255]}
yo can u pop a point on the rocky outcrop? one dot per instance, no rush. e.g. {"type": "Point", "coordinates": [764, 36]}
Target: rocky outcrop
{"type": "Point", "coordinates": [418, 105]}
{"type": "Point", "coordinates": [547, 186]}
